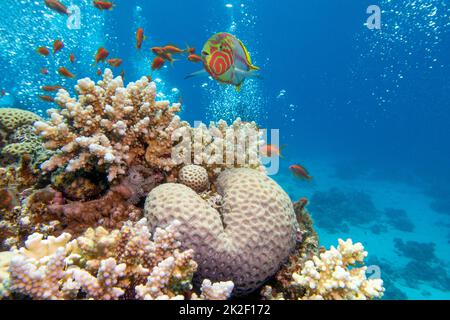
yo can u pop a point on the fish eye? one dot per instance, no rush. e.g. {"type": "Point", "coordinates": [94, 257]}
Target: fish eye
{"type": "Point", "coordinates": [205, 53]}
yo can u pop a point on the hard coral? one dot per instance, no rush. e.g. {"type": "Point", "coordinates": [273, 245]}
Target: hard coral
{"type": "Point", "coordinates": [195, 177]}
{"type": "Point", "coordinates": [12, 119]}
{"type": "Point", "coordinates": [109, 127]}
{"type": "Point", "coordinates": [121, 264]}
{"type": "Point", "coordinates": [245, 241]}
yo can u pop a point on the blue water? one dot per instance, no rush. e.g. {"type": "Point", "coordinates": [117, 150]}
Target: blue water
{"type": "Point", "coordinates": [366, 111]}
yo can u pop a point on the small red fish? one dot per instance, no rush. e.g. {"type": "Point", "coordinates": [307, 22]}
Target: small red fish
{"type": "Point", "coordinates": [115, 62]}
{"type": "Point", "coordinates": [103, 5]}
{"type": "Point", "coordinates": [57, 46]}
{"type": "Point", "coordinates": [157, 63]}
{"type": "Point", "coordinates": [47, 98]}
{"type": "Point", "coordinates": [172, 49]}
{"type": "Point", "coordinates": [44, 71]}
{"type": "Point", "coordinates": [300, 172]}
{"type": "Point", "coordinates": [157, 50]}
{"type": "Point", "coordinates": [65, 73]}
{"type": "Point", "coordinates": [43, 51]}
{"type": "Point", "coordinates": [270, 150]}
{"type": "Point", "coordinates": [139, 37]}
{"type": "Point", "coordinates": [57, 6]}
{"type": "Point", "coordinates": [194, 58]}
{"type": "Point", "coordinates": [101, 55]}
{"type": "Point", "coordinates": [72, 58]}
{"type": "Point", "coordinates": [190, 50]}
{"type": "Point", "coordinates": [51, 88]}
{"type": "Point", "coordinates": [99, 72]}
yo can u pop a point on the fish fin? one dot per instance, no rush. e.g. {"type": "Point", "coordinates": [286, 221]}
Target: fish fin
{"type": "Point", "coordinates": [247, 74]}
{"type": "Point", "coordinates": [196, 74]}
{"type": "Point", "coordinates": [238, 87]}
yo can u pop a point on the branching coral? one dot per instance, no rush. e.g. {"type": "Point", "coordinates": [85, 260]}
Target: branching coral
{"type": "Point", "coordinates": [335, 275]}
{"type": "Point", "coordinates": [121, 264]}
{"type": "Point", "coordinates": [109, 127]}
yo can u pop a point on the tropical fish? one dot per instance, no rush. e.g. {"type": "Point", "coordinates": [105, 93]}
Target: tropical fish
{"type": "Point", "coordinates": [269, 150]}
{"type": "Point", "coordinates": [72, 58]}
{"type": "Point", "coordinates": [44, 71]}
{"type": "Point", "coordinates": [172, 49]}
{"type": "Point", "coordinates": [43, 51]}
{"type": "Point", "coordinates": [157, 63]}
{"type": "Point", "coordinates": [51, 88]}
{"type": "Point", "coordinates": [46, 98]}
{"type": "Point", "coordinates": [300, 172]}
{"type": "Point", "coordinates": [103, 5]}
{"type": "Point", "coordinates": [226, 60]}
{"type": "Point", "coordinates": [101, 55]}
{"type": "Point", "coordinates": [99, 72]}
{"type": "Point", "coordinates": [57, 6]}
{"type": "Point", "coordinates": [189, 49]}
{"type": "Point", "coordinates": [140, 37]}
{"type": "Point", "coordinates": [115, 62]}
{"type": "Point", "coordinates": [157, 50]}
{"type": "Point", "coordinates": [65, 73]}
{"type": "Point", "coordinates": [194, 58]}
{"type": "Point", "coordinates": [57, 46]}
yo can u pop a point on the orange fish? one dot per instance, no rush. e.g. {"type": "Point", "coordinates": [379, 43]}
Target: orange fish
{"type": "Point", "coordinates": [269, 150]}
{"type": "Point", "coordinates": [57, 6]}
{"type": "Point", "coordinates": [300, 172]}
{"type": "Point", "coordinates": [99, 72]}
{"type": "Point", "coordinates": [194, 58]}
{"type": "Point", "coordinates": [57, 46]}
{"type": "Point", "coordinates": [101, 55]}
{"type": "Point", "coordinates": [72, 58]}
{"type": "Point", "coordinates": [157, 63]}
{"type": "Point", "coordinates": [46, 98]}
{"type": "Point", "coordinates": [114, 62]}
{"type": "Point", "coordinates": [43, 51]}
{"type": "Point", "coordinates": [103, 5]}
{"type": "Point", "coordinates": [140, 37]}
{"type": "Point", "coordinates": [65, 73]}
{"type": "Point", "coordinates": [190, 50]}
{"type": "Point", "coordinates": [157, 50]}
{"type": "Point", "coordinates": [44, 71]}
{"type": "Point", "coordinates": [51, 88]}
{"type": "Point", "coordinates": [172, 49]}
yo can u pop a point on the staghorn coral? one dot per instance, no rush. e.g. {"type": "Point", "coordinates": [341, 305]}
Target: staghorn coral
{"type": "Point", "coordinates": [334, 275]}
{"type": "Point", "coordinates": [109, 127]}
{"type": "Point", "coordinates": [106, 265]}
{"type": "Point", "coordinates": [195, 177]}
{"type": "Point", "coordinates": [245, 241]}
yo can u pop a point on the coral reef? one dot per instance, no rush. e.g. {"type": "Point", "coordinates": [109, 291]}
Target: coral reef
{"type": "Point", "coordinates": [334, 210]}
{"type": "Point", "coordinates": [334, 275]}
{"type": "Point", "coordinates": [106, 265]}
{"type": "Point", "coordinates": [399, 219]}
{"type": "Point", "coordinates": [109, 128]}
{"type": "Point", "coordinates": [194, 177]}
{"type": "Point", "coordinates": [246, 240]}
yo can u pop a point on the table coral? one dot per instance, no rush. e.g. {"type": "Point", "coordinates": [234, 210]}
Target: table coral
{"type": "Point", "coordinates": [246, 240]}
{"type": "Point", "coordinates": [109, 127]}
{"type": "Point", "coordinates": [102, 265]}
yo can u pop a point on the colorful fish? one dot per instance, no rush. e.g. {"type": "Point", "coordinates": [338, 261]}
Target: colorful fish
{"type": "Point", "coordinates": [46, 98]}
{"type": "Point", "coordinates": [300, 172]}
{"type": "Point", "coordinates": [57, 46]}
{"type": "Point", "coordinates": [72, 58]}
{"type": "Point", "coordinates": [194, 58]}
{"type": "Point", "coordinates": [101, 55]}
{"type": "Point", "coordinates": [99, 72]}
{"type": "Point", "coordinates": [172, 49]}
{"type": "Point", "coordinates": [114, 62]}
{"type": "Point", "coordinates": [43, 71]}
{"type": "Point", "coordinates": [57, 6]}
{"type": "Point", "coordinates": [226, 60]}
{"type": "Point", "coordinates": [158, 63]}
{"type": "Point", "coordinates": [140, 37]}
{"type": "Point", "coordinates": [51, 88]}
{"type": "Point", "coordinates": [270, 150]}
{"type": "Point", "coordinates": [65, 73]}
{"type": "Point", "coordinates": [103, 5]}
{"type": "Point", "coordinates": [43, 51]}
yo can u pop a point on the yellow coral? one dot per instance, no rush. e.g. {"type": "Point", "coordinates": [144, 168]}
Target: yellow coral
{"type": "Point", "coordinates": [12, 118]}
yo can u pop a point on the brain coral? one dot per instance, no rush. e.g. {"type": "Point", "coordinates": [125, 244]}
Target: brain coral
{"type": "Point", "coordinates": [195, 177]}
{"type": "Point", "coordinates": [245, 241]}
{"type": "Point", "coordinates": [12, 118]}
